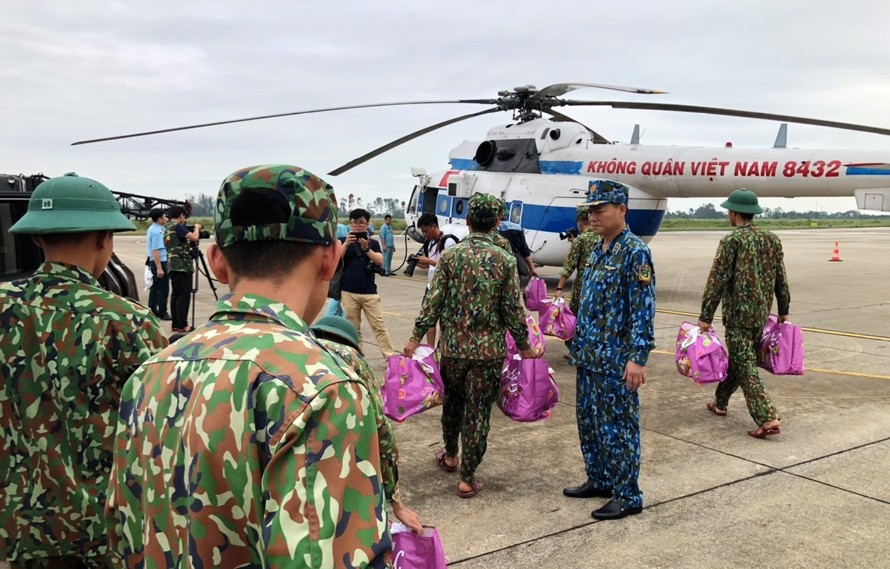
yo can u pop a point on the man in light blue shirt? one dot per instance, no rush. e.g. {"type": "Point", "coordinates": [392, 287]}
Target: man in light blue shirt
{"type": "Point", "coordinates": [156, 252]}
{"type": "Point", "coordinates": [388, 243]}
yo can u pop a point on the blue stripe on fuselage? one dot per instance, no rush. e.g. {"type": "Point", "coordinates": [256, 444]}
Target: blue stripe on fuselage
{"type": "Point", "coordinates": [643, 222]}
{"type": "Point", "coordinates": [547, 166]}
{"type": "Point", "coordinates": [561, 167]}
{"type": "Point", "coordinates": [464, 164]}
{"type": "Point", "coordinates": [860, 171]}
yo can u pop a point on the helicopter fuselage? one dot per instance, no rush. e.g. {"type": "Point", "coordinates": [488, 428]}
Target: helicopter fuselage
{"type": "Point", "coordinates": [542, 169]}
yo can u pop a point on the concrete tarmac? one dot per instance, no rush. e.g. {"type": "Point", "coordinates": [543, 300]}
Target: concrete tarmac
{"type": "Point", "coordinates": [818, 495]}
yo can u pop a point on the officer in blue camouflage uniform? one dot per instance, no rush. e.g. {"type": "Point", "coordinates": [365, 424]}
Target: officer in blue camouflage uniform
{"type": "Point", "coordinates": [613, 338]}
{"type": "Point", "coordinates": [66, 349]}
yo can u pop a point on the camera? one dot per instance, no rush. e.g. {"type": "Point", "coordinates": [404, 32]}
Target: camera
{"type": "Point", "coordinates": [568, 234]}
{"type": "Point", "coordinates": [203, 234]}
{"type": "Point", "coordinates": [374, 268]}
{"type": "Point", "coordinates": [411, 264]}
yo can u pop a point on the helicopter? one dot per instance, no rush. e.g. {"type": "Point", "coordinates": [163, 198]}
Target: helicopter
{"type": "Point", "coordinates": [542, 167]}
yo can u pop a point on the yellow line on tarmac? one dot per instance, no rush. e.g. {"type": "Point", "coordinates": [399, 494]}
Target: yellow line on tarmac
{"type": "Point", "coordinates": [805, 329]}
{"type": "Point", "coordinates": [816, 369]}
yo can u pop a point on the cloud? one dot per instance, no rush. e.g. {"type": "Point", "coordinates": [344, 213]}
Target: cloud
{"type": "Point", "coordinates": [89, 69]}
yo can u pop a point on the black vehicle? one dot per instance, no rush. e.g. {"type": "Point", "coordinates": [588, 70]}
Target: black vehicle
{"type": "Point", "coordinates": [20, 257]}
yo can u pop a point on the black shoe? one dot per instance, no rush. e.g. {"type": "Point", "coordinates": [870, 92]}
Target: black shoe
{"type": "Point", "coordinates": [586, 490]}
{"type": "Point", "coordinates": [615, 510]}
{"type": "Point", "coordinates": [164, 316]}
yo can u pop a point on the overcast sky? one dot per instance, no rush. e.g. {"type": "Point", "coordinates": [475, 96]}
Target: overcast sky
{"type": "Point", "coordinates": [74, 70]}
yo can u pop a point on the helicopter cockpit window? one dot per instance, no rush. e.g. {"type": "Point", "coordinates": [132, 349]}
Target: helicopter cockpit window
{"type": "Point", "coordinates": [412, 203]}
{"type": "Point", "coordinates": [516, 213]}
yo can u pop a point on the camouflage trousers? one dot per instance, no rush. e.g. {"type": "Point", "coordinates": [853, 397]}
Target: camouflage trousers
{"type": "Point", "coordinates": [471, 387]}
{"type": "Point", "coordinates": [741, 343]}
{"type": "Point", "coordinates": [609, 428]}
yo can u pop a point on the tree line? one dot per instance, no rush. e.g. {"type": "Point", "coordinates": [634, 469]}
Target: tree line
{"type": "Point", "coordinates": [203, 204]}
{"type": "Point", "coordinates": [709, 211]}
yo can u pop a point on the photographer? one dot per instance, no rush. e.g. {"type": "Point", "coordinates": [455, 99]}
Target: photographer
{"type": "Point", "coordinates": [428, 257]}
{"type": "Point", "coordinates": [179, 239]}
{"type": "Point", "coordinates": [362, 259]}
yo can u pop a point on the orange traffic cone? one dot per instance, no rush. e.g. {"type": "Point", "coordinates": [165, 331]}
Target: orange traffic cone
{"type": "Point", "coordinates": [836, 256]}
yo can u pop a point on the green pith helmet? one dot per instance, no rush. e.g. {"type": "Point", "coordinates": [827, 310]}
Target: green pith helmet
{"type": "Point", "coordinates": [340, 328]}
{"type": "Point", "coordinates": [71, 204]}
{"type": "Point", "coordinates": [742, 201]}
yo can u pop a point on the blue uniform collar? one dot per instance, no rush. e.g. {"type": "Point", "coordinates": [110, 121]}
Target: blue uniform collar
{"type": "Point", "coordinates": [616, 245]}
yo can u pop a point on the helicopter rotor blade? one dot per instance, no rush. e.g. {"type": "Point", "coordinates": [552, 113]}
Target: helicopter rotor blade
{"type": "Point", "coordinates": [597, 137]}
{"type": "Point", "coordinates": [263, 117]}
{"type": "Point", "coordinates": [399, 141]}
{"type": "Point", "coordinates": [730, 113]}
{"type": "Point", "coordinates": [560, 89]}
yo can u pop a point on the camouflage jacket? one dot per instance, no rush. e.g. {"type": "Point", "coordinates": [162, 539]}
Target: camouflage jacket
{"type": "Point", "coordinates": [617, 311]}
{"type": "Point", "coordinates": [475, 294]}
{"type": "Point", "coordinates": [389, 452]}
{"type": "Point", "coordinates": [178, 257]}
{"type": "Point", "coordinates": [501, 241]}
{"type": "Point", "coordinates": [67, 348]}
{"type": "Point", "coordinates": [579, 253]}
{"type": "Point", "coordinates": [748, 270]}
{"type": "Point", "coordinates": [247, 444]}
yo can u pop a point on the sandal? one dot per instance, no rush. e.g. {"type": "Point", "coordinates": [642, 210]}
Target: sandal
{"type": "Point", "coordinates": [440, 459]}
{"type": "Point", "coordinates": [712, 407]}
{"type": "Point", "coordinates": [761, 433]}
{"type": "Point", "coordinates": [477, 487]}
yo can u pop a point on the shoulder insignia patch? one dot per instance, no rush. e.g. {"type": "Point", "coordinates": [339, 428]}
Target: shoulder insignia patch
{"type": "Point", "coordinates": [644, 274]}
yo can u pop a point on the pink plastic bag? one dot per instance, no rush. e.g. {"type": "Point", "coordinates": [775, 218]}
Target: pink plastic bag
{"type": "Point", "coordinates": [781, 349]}
{"type": "Point", "coordinates": [528, 391]}
{"type": "Point", "coordinates": [535, 293]}
{"type": "Point", "coordinates": [412, 385]}
{"type": "Point", "coordinates": [700, 355]}
{"type": "Point", "coordinates": [412, 551]}
{"type": "Point", "coordinates": [557, 319]}
{"type": "Point", "coordinates": [535, 338]}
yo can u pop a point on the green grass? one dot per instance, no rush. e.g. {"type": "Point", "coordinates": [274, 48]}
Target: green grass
{"type": "Point", "coordinates": [717, 224]}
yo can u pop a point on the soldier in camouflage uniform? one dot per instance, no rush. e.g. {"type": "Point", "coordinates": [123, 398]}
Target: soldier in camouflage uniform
{"type": "Point", "coordinates": [475, 293]}
{"type": "Point", "coordinates": [613, 338]}
{"type": "Point", "coordinates": [180, 265]}
{"type": "Point", "coordinates": [246, 443]}
{"type": "Point", "coordinates": [339, 336]}
{"type": "Point", "coordinates": [579, 254]}
{"type": "Point", "coordinates": [66, 348]}
{"type": "Point", "coordinates": [748, 270]}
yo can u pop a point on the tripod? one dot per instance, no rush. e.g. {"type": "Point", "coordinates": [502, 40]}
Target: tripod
{"type": "Point", "coordinates": [200, 269]}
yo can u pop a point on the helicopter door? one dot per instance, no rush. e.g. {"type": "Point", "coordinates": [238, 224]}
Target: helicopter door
{"type": "Point", "coordinates": [429, 201]}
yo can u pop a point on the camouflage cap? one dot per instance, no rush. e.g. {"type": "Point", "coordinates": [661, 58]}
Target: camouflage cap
{"type": "Point", "coordinates": [71, 204]}
{"type": "Point", "coordinates": [313, 216]}
{"type": "Point", "coordinates": [583, 212]}
{"type": "Point", "coordinates": [484, 207]}
{"type": "Point", "coordinates": [606, 191]}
